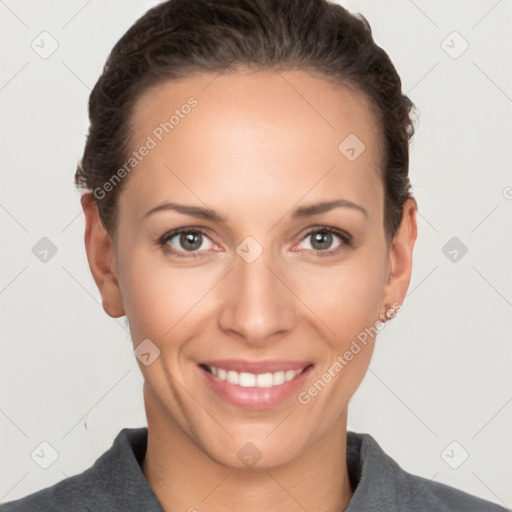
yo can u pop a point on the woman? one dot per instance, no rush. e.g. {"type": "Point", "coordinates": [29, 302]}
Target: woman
{"type": "Point", "coordinates": [229, 141]}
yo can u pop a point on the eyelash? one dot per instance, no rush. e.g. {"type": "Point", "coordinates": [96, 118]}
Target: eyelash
{"type": "Point", "coordinates": [345, 238]}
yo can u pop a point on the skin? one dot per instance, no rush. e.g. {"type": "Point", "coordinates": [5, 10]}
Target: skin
{"type": "Point", "coordinates": [257, 147]}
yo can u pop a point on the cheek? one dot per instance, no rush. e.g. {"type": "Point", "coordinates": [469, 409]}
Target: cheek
{"type": "Point", "coordinates": [158, 297]}
{"type": "Point", "coordinates": [346, 298]}
{"type": "Point", "coordinates": [148, 310]}
{"type": "Point", "coordinates": [347, 304]}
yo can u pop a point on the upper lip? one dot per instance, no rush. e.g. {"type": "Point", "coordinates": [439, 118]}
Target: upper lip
{"type": "Point", "coordinates": [240, 365]}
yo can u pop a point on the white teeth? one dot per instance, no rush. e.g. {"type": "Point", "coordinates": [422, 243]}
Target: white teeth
{"type": "Point", "coordinates": [278, 378]}
{"type": "Point", "coordinates": [251, 380]}
{"type": "Point", "coordinates": [264, 380]}
{"type": "Point", "coordinates": [246, 380]}
{"type": "Point", "coordinates": [232, 377]}
{"type": "Point", "coordinates": [289, 375]}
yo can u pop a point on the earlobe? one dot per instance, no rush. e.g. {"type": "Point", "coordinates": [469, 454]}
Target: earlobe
{"type": "Point", "coordinates": [102, 258]}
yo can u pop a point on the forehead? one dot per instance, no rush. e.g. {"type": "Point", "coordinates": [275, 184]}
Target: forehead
{"type": "Point", "coordinates": [262, 133]}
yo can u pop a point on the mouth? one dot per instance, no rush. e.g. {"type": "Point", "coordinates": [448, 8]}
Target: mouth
{"type": "Point", "coordinates": [249, 380]}
{"type": "Point", "coordinates": [254, 385]}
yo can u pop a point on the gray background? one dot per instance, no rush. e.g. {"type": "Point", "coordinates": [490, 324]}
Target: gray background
{"type": "Point", "coordinates": [441, 369]}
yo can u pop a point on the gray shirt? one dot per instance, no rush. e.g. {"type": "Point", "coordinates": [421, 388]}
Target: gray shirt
{"type": "Point", "coordinates": [116, 483]}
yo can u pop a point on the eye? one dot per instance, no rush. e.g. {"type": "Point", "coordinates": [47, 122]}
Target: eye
{"type": "Point", "coordinates": [191, 242]}
{"type": "Point", "coordinates": [321, 240]}
{"type": "Point", "coordinates": [186, 240]}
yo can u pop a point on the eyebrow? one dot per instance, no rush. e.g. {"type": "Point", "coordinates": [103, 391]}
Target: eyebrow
{"type": "Point", "coordinates": [208, 214]}
{"type": "Point", "coordinates": [314, 209]}
{"type": "Point", "coordinates": [193, 211]}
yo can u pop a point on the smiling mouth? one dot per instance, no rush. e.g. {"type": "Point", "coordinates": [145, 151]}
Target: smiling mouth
{"type": "Point", "coordinates": [254, 380]}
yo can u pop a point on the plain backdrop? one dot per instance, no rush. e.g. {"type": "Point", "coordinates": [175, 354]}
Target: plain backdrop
{"type": "Point", "coordinates": [439, 387]}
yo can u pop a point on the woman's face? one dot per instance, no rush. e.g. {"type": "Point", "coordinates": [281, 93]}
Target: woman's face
{"type": "Point", "coordinates": [286, 282]}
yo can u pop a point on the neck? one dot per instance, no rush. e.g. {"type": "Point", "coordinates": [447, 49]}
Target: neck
{"type": "Point", "coordinates": [183, 477]}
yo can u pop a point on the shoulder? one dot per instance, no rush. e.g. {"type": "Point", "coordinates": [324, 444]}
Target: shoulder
{"type": "Point", "coordinates": [381, 484]}
{"type": "Point", "coordinates": [114, 482]}
{"type": "Point", "coordinates": [421, 492]}
{"type": "Point", "coordinates": [70, 494]}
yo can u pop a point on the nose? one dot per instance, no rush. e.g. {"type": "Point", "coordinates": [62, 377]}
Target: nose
{"type": "Point", "coordinates": [257, 304]}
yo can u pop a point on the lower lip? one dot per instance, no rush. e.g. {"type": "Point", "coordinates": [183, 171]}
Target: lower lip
{"type": "Point", "coordinates": [255, 398]}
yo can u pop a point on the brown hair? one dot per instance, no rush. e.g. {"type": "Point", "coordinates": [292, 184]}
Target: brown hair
{"type": "Point", "coordinates": [180, 37]}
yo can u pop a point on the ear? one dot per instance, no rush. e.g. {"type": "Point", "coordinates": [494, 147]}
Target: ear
{"type": "Point", "coordinates": [400, 257]}
{"type": "Point", "coordinates": [102, 258]}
